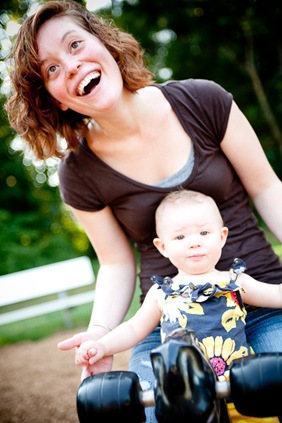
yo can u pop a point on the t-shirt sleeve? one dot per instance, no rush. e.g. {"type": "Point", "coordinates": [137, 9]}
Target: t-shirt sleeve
{"type": "Point", "coordinates": [74, 185]}
{"type": "Point", "coordinates": [215, 104]}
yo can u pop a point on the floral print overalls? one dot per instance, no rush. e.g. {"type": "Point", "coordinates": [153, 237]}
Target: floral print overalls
{"type": "Point", "coordinates": [215, 312]}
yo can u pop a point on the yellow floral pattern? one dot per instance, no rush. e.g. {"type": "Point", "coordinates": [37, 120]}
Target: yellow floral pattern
{"type": "Point", "coordinates": [221, 353]}
{"type": "Point", "coordinates": [235, 417]}
{"type": "Point", "coordinates": [230, 316]}
{"type": "Point", "coordinates": [215, 312]}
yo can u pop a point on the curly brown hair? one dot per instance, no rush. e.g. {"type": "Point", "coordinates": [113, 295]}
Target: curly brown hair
{"type": "Point", "coordinates": [31, 110]}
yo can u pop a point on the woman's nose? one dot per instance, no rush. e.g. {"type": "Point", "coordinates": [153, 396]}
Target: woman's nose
{"type": "Point", "coordinates": [72, 68]}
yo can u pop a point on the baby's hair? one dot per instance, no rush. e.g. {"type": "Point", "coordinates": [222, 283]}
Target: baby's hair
{"type": "Point", "coordinates": [180, 197]}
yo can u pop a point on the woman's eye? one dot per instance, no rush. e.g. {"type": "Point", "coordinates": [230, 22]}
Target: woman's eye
{"type": "Point", "coordinates": [75, 44]}
{"type": "Point", "coordinates": [180, 237]}
{"type": "Point", "coordinates": [204, 233]}
{"type": "Point", "coordinates": [52, 69]}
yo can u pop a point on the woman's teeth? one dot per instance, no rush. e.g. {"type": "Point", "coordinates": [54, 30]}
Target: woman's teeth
{"type": "Point", "coordinates": [90, 81]}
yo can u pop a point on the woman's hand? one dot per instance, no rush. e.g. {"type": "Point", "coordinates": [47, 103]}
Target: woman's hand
{"type": "Point", "coordinates": [103, 365]}
{"type": "Point", "coordinates": [77, 341]}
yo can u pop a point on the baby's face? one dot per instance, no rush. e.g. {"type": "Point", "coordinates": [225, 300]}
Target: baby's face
{"type": "Point", "coordinates": [193, 236]}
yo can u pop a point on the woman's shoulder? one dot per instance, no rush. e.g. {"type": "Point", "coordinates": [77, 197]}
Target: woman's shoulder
{"type": "Point", "coordinates": [205, 104]}
{"type": "Point", "coordinates": [200, 95]}
{"type": "Point", "coordinates": [195, 87]}
{"type": "Point", "coordinates": [78, 173]}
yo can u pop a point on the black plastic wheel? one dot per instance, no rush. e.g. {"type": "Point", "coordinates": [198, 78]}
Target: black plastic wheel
{"type": "Point", "coordinates": [110, 395]}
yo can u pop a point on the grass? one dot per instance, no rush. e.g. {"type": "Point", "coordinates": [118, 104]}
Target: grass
{"type": "Point", "coordinates": [278, 250]}
{"type": "Point", "coordinates": [40, 327]}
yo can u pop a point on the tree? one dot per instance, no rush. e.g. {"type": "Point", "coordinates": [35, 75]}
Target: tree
{"type": "Point", "coordinates": [237, 44]}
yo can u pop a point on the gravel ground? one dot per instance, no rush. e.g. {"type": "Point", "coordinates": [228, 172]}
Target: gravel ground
{"type": "Point", "coordinates": [38, 382]}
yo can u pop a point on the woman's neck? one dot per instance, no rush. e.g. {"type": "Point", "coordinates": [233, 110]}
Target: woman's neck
{"type": "Point", "coordinates": [128, 117]}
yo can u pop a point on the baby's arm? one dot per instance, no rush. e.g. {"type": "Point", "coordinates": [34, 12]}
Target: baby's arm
{"type": "Point", "coordinates": [126, 335]}
{"type": "Point", "coordinates": [258, 293]}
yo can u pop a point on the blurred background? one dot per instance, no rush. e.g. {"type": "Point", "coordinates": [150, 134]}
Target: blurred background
{"type": "Point", "coordinates": [235, 43]}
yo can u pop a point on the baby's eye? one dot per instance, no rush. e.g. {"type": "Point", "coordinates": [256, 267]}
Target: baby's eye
{"type": "Point", "coordinates": [180, 237]}
{"type": "Point", "coordinates": [204, 233]}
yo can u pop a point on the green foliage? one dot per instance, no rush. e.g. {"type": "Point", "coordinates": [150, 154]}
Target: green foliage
{"type": "Point", "coordinates": [237, 44]}
{"type": "Point", "coordinates": [35, 228]}
{"type": "Point", "coordinates": [30, 239]}
{"type": "Point", "coordinates": [182, 39]}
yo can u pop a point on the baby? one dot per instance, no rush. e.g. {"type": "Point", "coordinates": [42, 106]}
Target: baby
{"type": "Point", "coordinates": [191, 234]}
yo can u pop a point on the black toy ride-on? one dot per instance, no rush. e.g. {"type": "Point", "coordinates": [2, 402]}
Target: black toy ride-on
{"type": "Point", "coordinates": [186, 388]}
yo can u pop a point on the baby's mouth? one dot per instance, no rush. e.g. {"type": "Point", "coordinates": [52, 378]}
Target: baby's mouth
{"type": "Point", "coordinates": [89, 83]}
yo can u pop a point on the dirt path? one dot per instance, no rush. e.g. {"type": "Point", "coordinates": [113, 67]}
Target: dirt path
{"type": "Point", "coordinates": [38, 383]}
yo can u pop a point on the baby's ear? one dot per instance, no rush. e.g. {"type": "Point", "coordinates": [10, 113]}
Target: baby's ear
{"type": "Point", "coordinates": [224, 235]}
{"type": "Point", "coordinates": [159, 244]}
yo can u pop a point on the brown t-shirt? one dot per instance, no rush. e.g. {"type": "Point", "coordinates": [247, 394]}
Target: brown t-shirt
{"type": "Point", "coordinates": [203, 108]}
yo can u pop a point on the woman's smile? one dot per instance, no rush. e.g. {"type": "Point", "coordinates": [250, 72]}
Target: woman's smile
{"type": "Point", "coordinates": [89, 83]}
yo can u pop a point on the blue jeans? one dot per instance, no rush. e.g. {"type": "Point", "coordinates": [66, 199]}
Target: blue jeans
{"type": "Point", "coordinates": [264, 333]}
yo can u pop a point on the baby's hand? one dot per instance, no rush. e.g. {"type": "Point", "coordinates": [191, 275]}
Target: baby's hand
{"type": "Point", "coordinates": [81, 354]}
{"type": "Point", "coordinates": [96, 352]}
{"type": "Point", "coordinates": [89, 353]}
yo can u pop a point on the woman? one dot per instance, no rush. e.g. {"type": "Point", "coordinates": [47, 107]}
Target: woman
{"type": "Point", "coordinates": [130, 142]}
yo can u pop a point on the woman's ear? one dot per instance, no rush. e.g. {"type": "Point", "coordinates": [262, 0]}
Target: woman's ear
{"type": "Point", "coordinates": [224, 235]}
{"type": "Point", "coordinates": [159, 244]}
{"type": "Point", "coordinates": [61, 106]}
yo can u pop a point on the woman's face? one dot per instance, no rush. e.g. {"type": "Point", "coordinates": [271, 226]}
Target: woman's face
{"type": "Point", "coordinates": [77, 69]}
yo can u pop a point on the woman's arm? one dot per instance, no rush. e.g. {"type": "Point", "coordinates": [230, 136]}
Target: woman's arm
{"type": "Point", "coordinates": [243, 149]}
{"type": "Point", "coordinates": [116, 278]}
{"type": "Point", "coordinates": [115, 282]}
